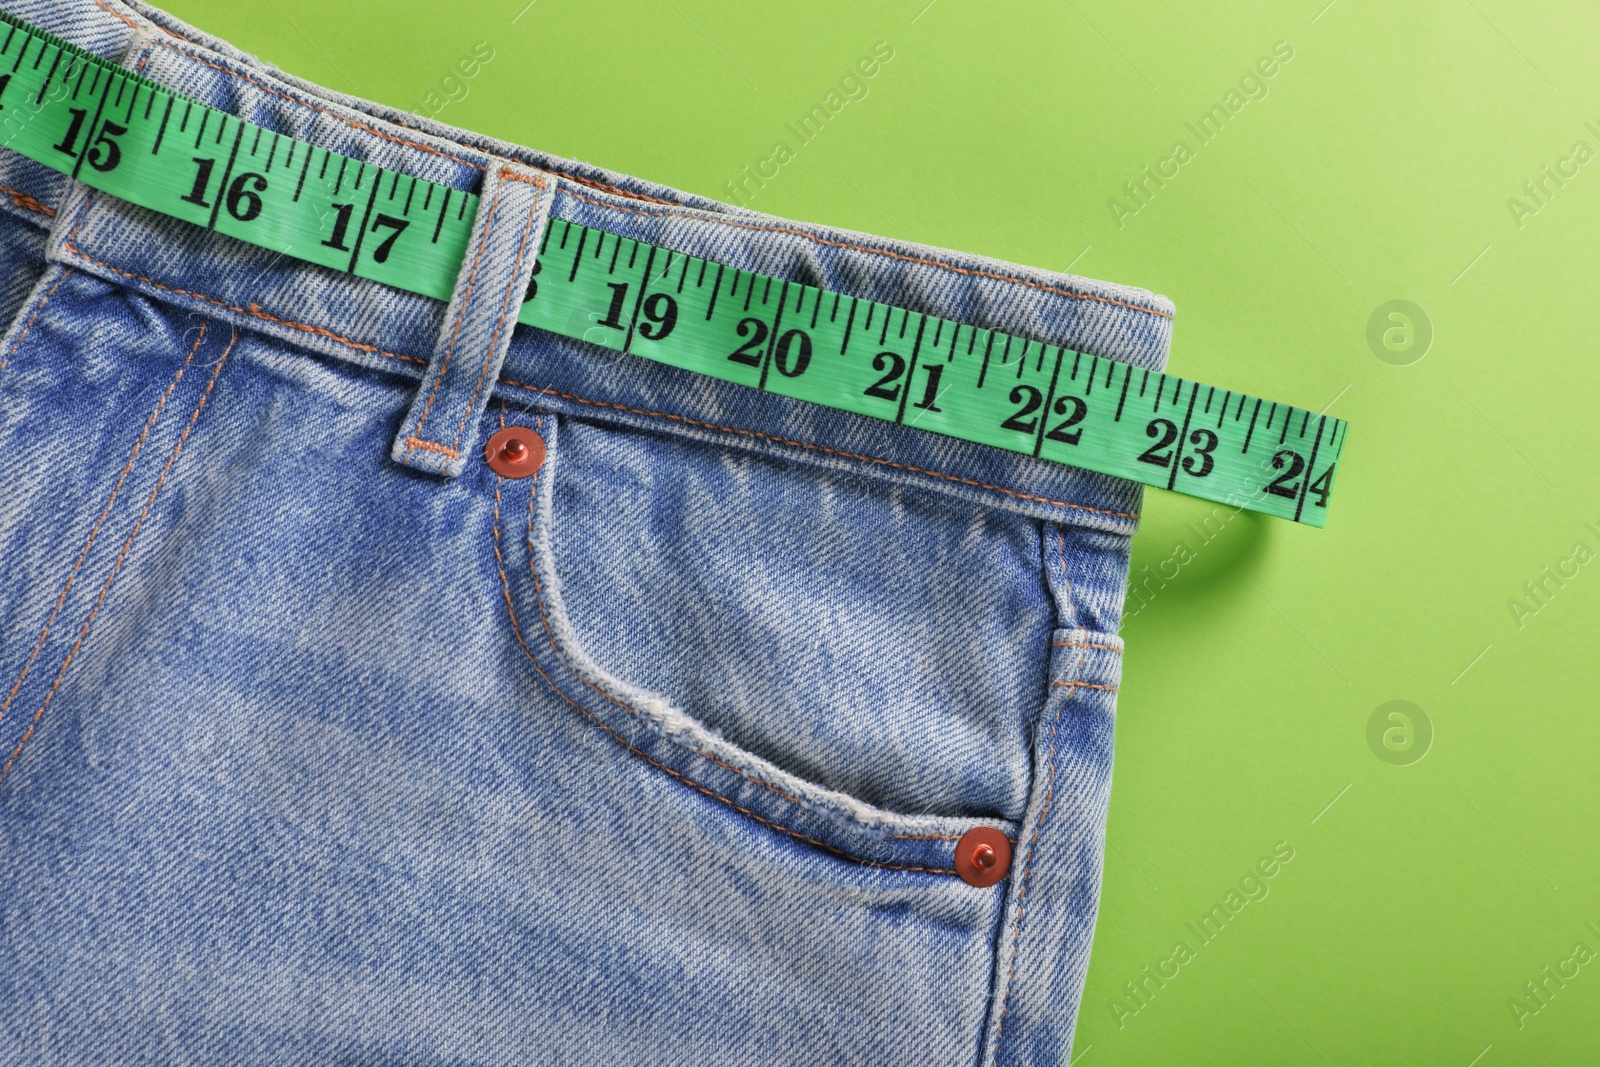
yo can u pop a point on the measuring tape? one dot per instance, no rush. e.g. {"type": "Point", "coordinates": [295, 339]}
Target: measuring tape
{"type": "Point", "coordinates": [111, 129]}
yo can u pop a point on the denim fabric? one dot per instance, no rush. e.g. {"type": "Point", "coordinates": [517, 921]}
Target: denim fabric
{"type": "Point", "coordinates": [477, 331]}
{"type": "Point", "coordinates": [316, 751]}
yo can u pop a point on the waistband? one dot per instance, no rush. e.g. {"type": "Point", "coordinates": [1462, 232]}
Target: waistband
{"type": "Point", "coordinates": [354, 319]}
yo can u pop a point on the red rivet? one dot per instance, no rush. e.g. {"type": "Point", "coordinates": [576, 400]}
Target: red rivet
{"type": "Point", "coordinates": [983, 856]}
{"type": "Point", "coordinates": [514, 452]}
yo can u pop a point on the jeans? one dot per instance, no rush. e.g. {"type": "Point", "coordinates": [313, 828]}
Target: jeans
{"type": "Point", "coordinates": [320, 748]}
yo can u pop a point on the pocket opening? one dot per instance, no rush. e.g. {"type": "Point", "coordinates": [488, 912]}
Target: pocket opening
{"type": "Point", "coordinates": [668, 737]}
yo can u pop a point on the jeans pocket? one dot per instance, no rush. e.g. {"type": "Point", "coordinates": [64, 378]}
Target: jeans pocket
{"type": "Point", "coordinates": [858, 665]}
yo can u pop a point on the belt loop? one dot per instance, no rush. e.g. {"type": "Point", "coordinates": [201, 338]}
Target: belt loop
{"type": "Point", "coordinates": [441, 429]}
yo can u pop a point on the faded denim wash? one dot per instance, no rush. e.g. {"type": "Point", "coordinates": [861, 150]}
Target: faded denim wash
{"type": "Point", "coordinates": [315, 756]}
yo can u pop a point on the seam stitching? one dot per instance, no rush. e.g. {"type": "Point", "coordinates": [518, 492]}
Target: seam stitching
{"type": "Point", "coordinates": [603, 187]}
{"type": "Point", "coordinates": [1081, 644]}
{"type": "Point", "coordinates": [1072, 598]}
{"type": "Point", "coordinates": [31, 318]}
{"type": "Point", "coordinates": [118, 15]}
{"type": "Point", "coordinates": [415, 442]}
{"type": "Point", "coordinates": [361, 346]}
{"type": "Point", "coordinates": [122, 556]}
{"type": "Point", "coordinates": [1027, 867]}
{"type": "Point", "coordinates": [516, 627]}
{"type": "Point", "coordinates": [253, 309]}
{"type": "Point", "coordinates": [24, 200]}
{"type": "Point", "coordinates": [135, 25]}
{"type": "Point", "coordinates": [819, 448]}
{"type": "Point", "coordinates": [94, 531]}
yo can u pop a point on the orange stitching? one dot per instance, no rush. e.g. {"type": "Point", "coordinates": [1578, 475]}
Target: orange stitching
{"type": "Point", "coordinates": [38, 308]}
{"type": "Point", "coordinates": [879, 252]}
{"type": "Point", "coordinates": [1085, 685]}
{"type": "Point", "coordinates": [508, 174]}
{"type": "Point", "coordinates": [253, 309]}
{"type": "Point", "coordinates": [118, 15]}
{"type": "Point", "coordinates": [135, 25]}
{"type": "Point", "coordinates": [819, 448]}
{"type": "Point", "coordinates": [123, 555]}
{"type": "Point", "coordinates": [602, 186]}
{"type": "Point", "coordinates": [505, 304]}
{"type": "Point", "coordinates": [1080, 644]}
{"type": "Point", "coordinates": [431, 446]}
{"type": "Point", "coordinates": [23, 200]}
{"type": "Point", "coordinates": [1027, 867]}
{"type": "Point", "coordinates": [94, 531]}
{"type": "Point", "coordinates": [461, 314]}
{"type": "Point", "coordinates": [516, 627]}
{"type": "Point", "coordinates": [323, 111]}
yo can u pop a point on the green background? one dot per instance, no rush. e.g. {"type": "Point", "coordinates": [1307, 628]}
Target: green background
{"type": "Point", "coordinates": [1423, 893]}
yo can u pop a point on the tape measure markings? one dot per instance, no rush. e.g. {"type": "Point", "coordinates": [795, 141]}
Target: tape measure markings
{"type": "Point", "coordinates": [863, 356]}
{"type": "Point", "coordinates": [883, 361]}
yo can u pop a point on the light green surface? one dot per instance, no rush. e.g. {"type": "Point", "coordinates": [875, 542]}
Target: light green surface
{"type": "Point", "coordinates": [1378, 167]}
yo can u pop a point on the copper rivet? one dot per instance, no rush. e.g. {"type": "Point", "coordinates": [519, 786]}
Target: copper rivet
{"type": "Point", "coordinates": [514, 452]}
{"type": "Point", "coordinates": [983, 856]}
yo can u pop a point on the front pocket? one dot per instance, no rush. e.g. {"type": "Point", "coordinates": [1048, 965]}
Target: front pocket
{"type": "Point", "coordinates": [850, 663]}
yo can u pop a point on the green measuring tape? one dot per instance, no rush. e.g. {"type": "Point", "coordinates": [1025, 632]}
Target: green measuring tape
{"type": "Point", "coordinates": [118, 132]}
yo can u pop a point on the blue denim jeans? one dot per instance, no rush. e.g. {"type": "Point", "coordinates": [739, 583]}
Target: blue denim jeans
{"type": "Point", "coordinates": [318, 751]}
